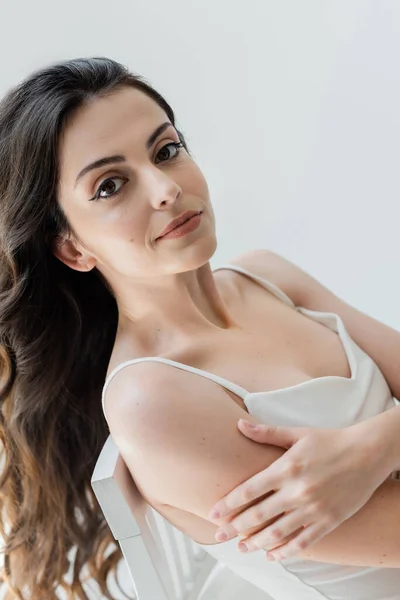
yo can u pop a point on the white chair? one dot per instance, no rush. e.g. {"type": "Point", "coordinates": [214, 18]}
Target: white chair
{"type": "Point", "coordinates": [164, 564]}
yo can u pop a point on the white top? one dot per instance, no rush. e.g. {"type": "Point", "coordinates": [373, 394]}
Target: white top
{"type": "Point", "coordinates": [333, 402]}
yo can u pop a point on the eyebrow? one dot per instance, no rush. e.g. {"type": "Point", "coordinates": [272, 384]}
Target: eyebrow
{"type": "Point", "coordinates": [119, 158]}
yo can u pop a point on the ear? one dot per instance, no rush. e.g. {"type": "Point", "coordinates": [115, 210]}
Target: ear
{"type": "Point", "coordinates": [72, 254]}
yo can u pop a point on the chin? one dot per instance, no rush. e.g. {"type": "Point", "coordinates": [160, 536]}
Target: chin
{"type": "Point", "coordinates": [197, 254]}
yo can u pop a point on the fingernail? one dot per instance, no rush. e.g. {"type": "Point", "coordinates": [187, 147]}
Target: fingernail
{"type": "Point", "coordinates": [243, 547]}
{"type": "Point", "coordinates": [214, 514]}
{"type": "Point", "coordinates": [220, 536]}
{"type": "Point", "coordinates": [247, 424]}
{"type": "Point", "coordinates": [270, 556]}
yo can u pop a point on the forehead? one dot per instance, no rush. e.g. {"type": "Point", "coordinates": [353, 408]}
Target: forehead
{"type": "Point", "coordinates": [108, 125]}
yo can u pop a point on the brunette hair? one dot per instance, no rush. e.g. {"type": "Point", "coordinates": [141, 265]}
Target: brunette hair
{"type": "Point", "coordinates": [57, 329]}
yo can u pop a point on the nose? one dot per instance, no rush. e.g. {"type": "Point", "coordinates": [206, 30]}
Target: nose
{"type": "Point", "coordinates": [162, 191]}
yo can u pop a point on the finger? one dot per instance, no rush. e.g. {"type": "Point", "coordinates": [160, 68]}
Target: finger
{"type": "Point", "coordinates": [262, 513]}
{"type": "Point", "coordinates": [284, 437]}
{"type": "Point", "coordinates": [277, 533]}
{"type": "Point", "coordinates": [259, 485]}
{"type": "Point", "coordinates": [308, 536]}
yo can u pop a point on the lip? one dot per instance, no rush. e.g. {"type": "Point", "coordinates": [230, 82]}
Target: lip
{"type": "Point", "coordinates": [178, 222]}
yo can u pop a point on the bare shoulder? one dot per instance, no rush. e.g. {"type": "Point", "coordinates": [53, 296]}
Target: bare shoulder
{"type": "Point", "coordinates": [154, 400]}
{"type": "Point", "coordinates": [148, 400]}
{"type": "Point", "coordinates": [139, 390]}
{"type": "Point", "coordinates": [178, 435]}
{"type": "Point", "coordinates": [283, 273]}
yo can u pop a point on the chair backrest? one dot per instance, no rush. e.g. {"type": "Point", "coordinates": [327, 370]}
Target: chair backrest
{"type": "Point", "coordinates": [163, 563]}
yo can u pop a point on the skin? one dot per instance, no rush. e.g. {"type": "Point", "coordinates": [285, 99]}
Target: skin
{"type": "Point", "coordinates": [184, 425]}
{"type": "Point", "coordinates": [117, 236]}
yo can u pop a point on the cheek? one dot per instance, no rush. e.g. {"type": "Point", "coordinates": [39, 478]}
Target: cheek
{"type": "Point", "coordinates": [195, 183]}
{"type": "Point", "coordinates": [119, 237]}
{"type": "Point", "coordinates": [124, 237]}
{"type": "Point", "coordinates": [109, 235]}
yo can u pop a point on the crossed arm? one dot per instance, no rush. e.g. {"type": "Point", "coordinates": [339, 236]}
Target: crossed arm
{"type": "Point", "coordinates": [185, 450]}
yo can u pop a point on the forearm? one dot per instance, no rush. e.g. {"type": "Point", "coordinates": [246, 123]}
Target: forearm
{"type": "Point", "coordinates": [383, 431]}
{"type": "Point", "coordinates": [369, 538]}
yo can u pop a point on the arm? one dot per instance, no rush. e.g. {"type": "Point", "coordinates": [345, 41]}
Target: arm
{"type": "Point", "coordinates": [178, 435]}
{"type": "Point", "coordinates": [384, 432]}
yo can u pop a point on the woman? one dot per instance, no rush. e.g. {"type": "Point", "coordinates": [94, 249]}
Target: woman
{"type": "Point", "coordinates": [106, 235]}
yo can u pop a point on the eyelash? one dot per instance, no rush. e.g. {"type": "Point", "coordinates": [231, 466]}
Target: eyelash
{"type": "Point", "coordinates": [176, 145]}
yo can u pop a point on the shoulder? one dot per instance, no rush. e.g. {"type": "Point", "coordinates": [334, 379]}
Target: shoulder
{"type": "Point", "coordinates": [178, 435]}
{"type": "Point", "coordinates": [142, 387]}
{"type": "Point", "coordinates": [149, 400]}
{"type": "Point", "coordinates": [299, 285]}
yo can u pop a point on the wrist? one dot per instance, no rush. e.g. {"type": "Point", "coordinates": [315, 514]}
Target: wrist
{"type": "Point", "coordinates": [383, 434]}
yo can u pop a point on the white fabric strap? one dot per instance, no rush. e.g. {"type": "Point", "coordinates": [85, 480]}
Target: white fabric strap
{"type": "Point", "coordinates": [233, 387]}
{"type": "Point", "coordinates": [275, 291]}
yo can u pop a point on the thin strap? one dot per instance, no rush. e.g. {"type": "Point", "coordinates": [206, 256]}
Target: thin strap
{"type": "Point", "coordinates": [263, 282]}
{"type": "Point", "coordinates": [236, 389]}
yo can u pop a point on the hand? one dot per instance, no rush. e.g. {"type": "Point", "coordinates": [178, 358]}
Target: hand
{"type": "Point", "coordinates": [325, 477]}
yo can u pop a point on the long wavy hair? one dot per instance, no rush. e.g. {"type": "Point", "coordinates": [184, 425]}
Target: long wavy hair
{"type": "Point", "coordinates": [57, 329]}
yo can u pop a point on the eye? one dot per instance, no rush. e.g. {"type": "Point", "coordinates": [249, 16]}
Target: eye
{"type": "Point", "coordinates": [110, 187]}
{"type": "Point", "coordinates": [168, 152]}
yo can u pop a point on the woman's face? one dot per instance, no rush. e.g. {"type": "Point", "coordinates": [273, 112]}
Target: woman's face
{"type": "Point", "coordinates": [123, 179]}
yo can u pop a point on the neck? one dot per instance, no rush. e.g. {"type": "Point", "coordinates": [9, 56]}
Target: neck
{"type": "Point", "coordinates": [172, 306]}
